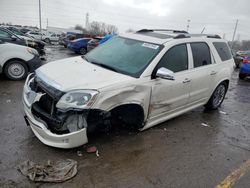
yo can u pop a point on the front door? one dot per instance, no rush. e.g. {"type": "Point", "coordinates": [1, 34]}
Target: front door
{"type": "Point", "coordinates": [169, 96]}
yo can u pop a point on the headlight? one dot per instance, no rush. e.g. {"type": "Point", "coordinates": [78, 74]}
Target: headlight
{"type": "Point", "coordinates": [32, 51]}
{"type": "Point", "coordinates": [77, 99]}
{"type": "Point", "coordinates": [30, 43]}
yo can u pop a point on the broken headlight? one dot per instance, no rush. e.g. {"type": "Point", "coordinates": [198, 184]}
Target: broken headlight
{"type": "Point", "coordinates": [77, 99]}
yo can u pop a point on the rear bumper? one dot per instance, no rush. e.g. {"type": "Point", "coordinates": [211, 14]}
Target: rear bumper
{"type": "Point", "coordinates": [245, 68]}
{"type": "Point", "coordinates": [34, 63]}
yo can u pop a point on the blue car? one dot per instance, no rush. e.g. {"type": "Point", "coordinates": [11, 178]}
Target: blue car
{"type": "Point", "coordinates": [245, 67]}
{"type": "Point", "coordinates": [79, 45]}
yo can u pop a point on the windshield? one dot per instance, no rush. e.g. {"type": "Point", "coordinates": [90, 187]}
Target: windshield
{"type": "Point", "coordinates": [123, 55]}
{"type": "Point", "coordinates": [17, 32]}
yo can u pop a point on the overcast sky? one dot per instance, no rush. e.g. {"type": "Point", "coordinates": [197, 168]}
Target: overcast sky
{"type": "Point", "coordinates": [217, 16]}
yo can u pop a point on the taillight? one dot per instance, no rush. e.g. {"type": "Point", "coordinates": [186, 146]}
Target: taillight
{"type": "Point", "coordinates": [246, 61]}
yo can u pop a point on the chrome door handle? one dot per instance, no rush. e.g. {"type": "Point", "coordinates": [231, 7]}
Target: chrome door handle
{"type": "Point", "coordinates": [213, 73]}
{"type": "Point", "coordinates": [186, 80]}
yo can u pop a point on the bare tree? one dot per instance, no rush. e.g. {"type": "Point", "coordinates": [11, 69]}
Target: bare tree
{"type": "Point", "coordinates": [101, 28]}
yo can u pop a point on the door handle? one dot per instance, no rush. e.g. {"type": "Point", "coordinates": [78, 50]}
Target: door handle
{"type": "Point", "coordinates": [187, 80]}
{"type": "Point", "coordinates": [213, 73]}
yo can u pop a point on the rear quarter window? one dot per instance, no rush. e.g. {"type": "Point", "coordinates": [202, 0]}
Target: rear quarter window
{"type": "Point", "coordinates": [223, 50]}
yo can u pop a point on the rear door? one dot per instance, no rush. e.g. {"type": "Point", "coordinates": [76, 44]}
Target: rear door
{"type": "Point", "coordinates": [203, 73]}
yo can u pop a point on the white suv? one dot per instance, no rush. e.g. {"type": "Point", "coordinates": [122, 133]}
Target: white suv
{"type": "Point", "coordinates": [139, 79]}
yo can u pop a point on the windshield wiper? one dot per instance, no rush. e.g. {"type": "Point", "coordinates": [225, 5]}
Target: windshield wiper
{"type": "Point", "coordinates": [99, 64]}
{"type": "Point", "coordinates": [83, 56]}
{"type": "Point", "coordinates": [105, 66]}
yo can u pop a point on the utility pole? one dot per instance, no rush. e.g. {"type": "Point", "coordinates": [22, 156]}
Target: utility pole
{"type": "Point", "coordinates": [188, 22]}
{"type": "Point", "coordinates": [235, 28]}
{"type": "Point", "coordinates": [47, 23]}
{"type": "Point", "coordinates": [87, 21]}
{"type": "Point", "coordinates": [40, 19]}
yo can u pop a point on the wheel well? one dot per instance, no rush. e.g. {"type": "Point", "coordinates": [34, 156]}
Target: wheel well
{"type": "Point", "coordinates": [131, 114]}
{"type": "Point", "coordinates": [227, 82]}
{"type": "Point", "coordinates": [13, 59]}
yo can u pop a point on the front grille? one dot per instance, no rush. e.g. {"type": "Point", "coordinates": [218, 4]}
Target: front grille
{"type": "Point", "coordinates": [45, 108]}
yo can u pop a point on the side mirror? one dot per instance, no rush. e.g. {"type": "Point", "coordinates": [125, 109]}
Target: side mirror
{"type": "Point", "coordinates": [13, 38]}
{"type": "Point", "coordinates": [165, 74]}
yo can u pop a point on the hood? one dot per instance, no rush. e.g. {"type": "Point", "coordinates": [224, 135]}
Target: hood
{"type": "Point", "coordinates": [76, 73]}
{"type": "Point", "coordinates": [26, 38]}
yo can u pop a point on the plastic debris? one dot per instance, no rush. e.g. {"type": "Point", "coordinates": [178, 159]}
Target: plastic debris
{"type": "Point", "coordinates": [205, 125]}
{"type": "Point", "coordinates": [79, 153]}
{"type": "Point", "coordinates": [91, 149]}
{"type": "Point", "coordinates": [221, 112]}
{"type": "Point", "coordinates": [8, 101]}
{"type": "Point", "coordinates": [59, 171]}
{"type": "Point", "coordinates": [165, 129]}
{"type": "Point", "coordinates": [97, 153]}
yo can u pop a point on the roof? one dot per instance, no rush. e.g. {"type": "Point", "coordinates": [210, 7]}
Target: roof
{"type": "Point", "coordinates": [161, 36]}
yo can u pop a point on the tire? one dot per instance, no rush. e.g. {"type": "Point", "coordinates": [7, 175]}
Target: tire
{"type": "Point", "coordinates": [83, 51]}
{"type": "Point", "coordinates": [217, 97]}
{"type": "Point", "coordinates": [242, 76]}
{"type": "Point", "coordinates": [129, 115]}
{"type": "Point", "coordinates": [47, 40]}
{"type": "Point", "coordinates": [16, 70]}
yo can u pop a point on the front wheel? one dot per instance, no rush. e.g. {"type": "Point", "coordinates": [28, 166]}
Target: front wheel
{"type": "Point", "coordinates": [217, 97]}
{"type": "Point", "coordinates": [16, 70]}
{"type": "Point", "coordinates": [47, 40]}
{"type": "Point", "coordinates": [83, 51]}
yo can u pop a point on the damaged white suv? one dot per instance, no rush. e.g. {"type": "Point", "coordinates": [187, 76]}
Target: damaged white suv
{"type": "Point", "coordinates": [140, 79]}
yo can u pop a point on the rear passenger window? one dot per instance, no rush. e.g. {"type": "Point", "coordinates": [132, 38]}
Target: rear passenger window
{"type": "Point", "coordinates": [176, 59]}
{"type": "Point", "coordinates": [223, 50]}
{"type": "Point", "coordinates": [201, 54]}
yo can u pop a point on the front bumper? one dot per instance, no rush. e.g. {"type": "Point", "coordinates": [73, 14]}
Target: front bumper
{"type": "Point", "coordinates": [34, 63]}
{"type": "Point", "coordinates": [69, 140]}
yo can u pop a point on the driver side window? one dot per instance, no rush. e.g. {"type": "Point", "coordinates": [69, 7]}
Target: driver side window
{"type": "Point", "coordinates": [175, 59]}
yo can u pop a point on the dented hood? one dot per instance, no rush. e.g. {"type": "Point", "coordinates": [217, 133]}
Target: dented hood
{"type": "Point", "coordinates": [76, 73]}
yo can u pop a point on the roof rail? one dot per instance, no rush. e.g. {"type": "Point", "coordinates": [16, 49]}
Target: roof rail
{"type": "Point", "coordinates": [197, 35]}
{"type": "Point", "coordinates": [168, 30]}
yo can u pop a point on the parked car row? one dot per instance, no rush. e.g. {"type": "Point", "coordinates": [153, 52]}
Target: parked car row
{"type": "Point", "coordinates": [14, 36]}
{"type": "Point", "coordinates": [46, 38]}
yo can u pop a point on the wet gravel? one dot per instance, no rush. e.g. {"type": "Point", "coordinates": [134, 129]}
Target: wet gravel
{"type": "Point", "coordinates": [178, 153]}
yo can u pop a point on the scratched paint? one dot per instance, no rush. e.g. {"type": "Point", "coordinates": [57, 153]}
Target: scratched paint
{"type": "Point", "coordinates": [231, 179]}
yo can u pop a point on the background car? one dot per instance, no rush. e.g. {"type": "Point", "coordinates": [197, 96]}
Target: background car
{"type": "Point", "coordinates": [16, 61]}
{"type": "Point", "coordinates": [79, 45]}
{"type": "Point", "coordinates": [35, 34]}
{"type": "Point", "coordinates": [64, 40]}
{"type": "Point", "coordinates": [93, 43]}
{"type": "Point", "coordinates": [33, 43]}
{"type": "Point", "coordinates": [245, 67]}
{"type": "Point", "coordinates": [8, 36]}
{"type": "Point", "coordinates": [237, 59]}
{"type": "Point", "coordinates": [51, 38]}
